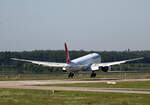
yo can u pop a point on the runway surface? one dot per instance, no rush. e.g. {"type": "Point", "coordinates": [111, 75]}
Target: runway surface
{"type": "Point", "coordinates": [32, 84]}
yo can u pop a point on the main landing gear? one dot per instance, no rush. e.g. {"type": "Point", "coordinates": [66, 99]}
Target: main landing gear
{"type": "Point", "coordinates": [93, 74]}
{"type": "Point", "coordinates": [70, 75]}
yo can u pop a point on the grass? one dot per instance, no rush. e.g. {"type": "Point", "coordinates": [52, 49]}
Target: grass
{"type": "Point", "coordinates": [134, 84]}
{"type": "Point", "coordinates": [32, 77]}
{"type": "Point", "coordinates": [45, 97]}
{"type": "Point", "coordinates": [77, 76]}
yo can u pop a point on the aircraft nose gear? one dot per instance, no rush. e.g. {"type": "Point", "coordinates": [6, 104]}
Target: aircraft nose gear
{"type": "Point", "coordinates": [93, 75]}
{"type": "Point", "coordinates": [70, 75]}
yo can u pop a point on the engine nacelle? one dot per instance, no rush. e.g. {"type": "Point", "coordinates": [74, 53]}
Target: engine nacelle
{"type": "Point", "coordinates": [106, 68]}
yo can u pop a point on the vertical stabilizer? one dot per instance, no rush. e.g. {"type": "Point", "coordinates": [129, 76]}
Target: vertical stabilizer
{"type": "Point", "coordinates": [67, 54]}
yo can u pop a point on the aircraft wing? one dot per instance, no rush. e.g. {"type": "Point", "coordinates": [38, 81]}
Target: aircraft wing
{"type": "Point", "coordinates": [50, 64]}
{"type": "Point", "coordinates": [117, 62]}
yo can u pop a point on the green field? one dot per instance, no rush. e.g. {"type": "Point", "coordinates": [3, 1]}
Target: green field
{"type": "Point", "coordinates": [47, 97]}
{"type": "Point", "coordinates": [43, 97]}
{"type": "Point", "coordinates": [134, 84]}
{"type": "Point", "coordinates": [77, 76]}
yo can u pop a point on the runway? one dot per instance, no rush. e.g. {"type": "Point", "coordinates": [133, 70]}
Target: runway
{"type": "Point", "coordinates": [32, 84]}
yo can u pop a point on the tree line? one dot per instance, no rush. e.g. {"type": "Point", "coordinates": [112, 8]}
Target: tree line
{"type": "Point", "coordinates": [9, 66]}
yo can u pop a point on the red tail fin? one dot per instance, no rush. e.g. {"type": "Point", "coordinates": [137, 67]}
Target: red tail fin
{"type": "Point", "coordinates": [67, 54]}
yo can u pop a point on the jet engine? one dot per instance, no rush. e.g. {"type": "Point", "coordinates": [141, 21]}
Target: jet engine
{"type": "Point", "coordinates": [106, 68]}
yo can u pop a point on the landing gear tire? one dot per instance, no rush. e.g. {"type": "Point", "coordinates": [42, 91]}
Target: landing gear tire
{"type": "Point", "coordinates": [70, 75]}
{"type": "Point", "coordinates": [93, 75]}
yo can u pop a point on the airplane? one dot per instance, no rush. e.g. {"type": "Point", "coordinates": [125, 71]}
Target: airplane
{"type": "Point", "coordinates": [88, 62]}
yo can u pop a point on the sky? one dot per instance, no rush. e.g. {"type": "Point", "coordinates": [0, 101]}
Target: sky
{"type": "Point", "coordinates": [97, 25]}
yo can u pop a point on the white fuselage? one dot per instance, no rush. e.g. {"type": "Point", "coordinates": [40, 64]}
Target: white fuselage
{"type": "Point", "coordinates": [83, 63]}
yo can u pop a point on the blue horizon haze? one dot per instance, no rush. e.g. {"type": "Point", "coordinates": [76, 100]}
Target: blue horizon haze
{"type": "Point", "coordinates": [98, 25]}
